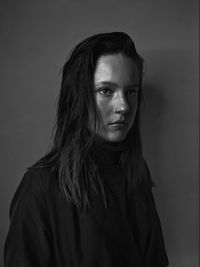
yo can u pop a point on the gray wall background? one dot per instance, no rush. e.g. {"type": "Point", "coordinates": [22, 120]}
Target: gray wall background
{"type": "Point", "coordinates": [35, 37]}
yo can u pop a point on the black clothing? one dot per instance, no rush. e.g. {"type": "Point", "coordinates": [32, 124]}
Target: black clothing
{"type": "Point", "coordinates": [47, 231]}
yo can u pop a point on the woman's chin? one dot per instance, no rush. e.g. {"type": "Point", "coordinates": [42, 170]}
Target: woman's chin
{"type": "Point", "coordinates": [114, 137]}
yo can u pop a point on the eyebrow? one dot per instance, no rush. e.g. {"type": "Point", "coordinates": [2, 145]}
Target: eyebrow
{"type": "Point", "coordinates": [114, 84]}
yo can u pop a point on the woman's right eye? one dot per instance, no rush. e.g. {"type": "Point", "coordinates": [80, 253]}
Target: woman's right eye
{"type": "Point", "coordinates": [105, 91]}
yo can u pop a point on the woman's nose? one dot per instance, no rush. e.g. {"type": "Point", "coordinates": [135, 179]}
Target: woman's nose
{"type": "Point", "coordinates": [121, 104]}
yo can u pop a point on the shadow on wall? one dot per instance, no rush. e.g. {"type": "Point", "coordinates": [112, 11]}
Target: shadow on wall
{"type": "Point", "coordinates": [152, 108]}
{"type": "Point", "coordinates": [168, 122]}
{"type": "Point", "coordinates": [169, 105]}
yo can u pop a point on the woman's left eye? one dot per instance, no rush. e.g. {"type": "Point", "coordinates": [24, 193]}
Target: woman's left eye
{"type": "Point", "coordinates": [132, 92]}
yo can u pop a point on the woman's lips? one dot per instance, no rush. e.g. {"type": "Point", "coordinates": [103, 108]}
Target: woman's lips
{"type": "Point", "coordinates": [118, 124]}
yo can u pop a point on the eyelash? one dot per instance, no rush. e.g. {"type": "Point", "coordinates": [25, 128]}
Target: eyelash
{"type": "Point", "coordinates": [107, 92]}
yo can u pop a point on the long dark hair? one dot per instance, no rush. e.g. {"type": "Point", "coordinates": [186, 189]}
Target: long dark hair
{"type": "Point", "coordinates": [78, 174]}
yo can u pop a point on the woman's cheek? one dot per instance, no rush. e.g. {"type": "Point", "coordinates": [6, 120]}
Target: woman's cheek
{"type": "Point", "coordinates": [104, 108]}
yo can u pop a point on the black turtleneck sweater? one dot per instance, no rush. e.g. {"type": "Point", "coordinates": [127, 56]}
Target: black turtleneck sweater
{"type": "Point", "coordinates": [47, 231]}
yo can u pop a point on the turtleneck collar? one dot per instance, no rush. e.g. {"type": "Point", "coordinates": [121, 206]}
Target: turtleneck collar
{"type": "Point", "coordinates": [106, 152]}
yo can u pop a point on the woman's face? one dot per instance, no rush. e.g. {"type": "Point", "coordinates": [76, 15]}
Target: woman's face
{"type": "Point", "coordinates": [116, 85]}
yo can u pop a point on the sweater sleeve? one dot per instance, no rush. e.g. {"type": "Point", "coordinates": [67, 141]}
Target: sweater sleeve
{"type": "Point", "coordinates": [29, 238]}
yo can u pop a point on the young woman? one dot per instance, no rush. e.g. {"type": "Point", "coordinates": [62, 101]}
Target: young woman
{"type": "Point", "coordinates": [89, 202]}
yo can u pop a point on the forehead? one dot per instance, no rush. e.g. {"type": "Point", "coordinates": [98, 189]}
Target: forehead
{"type": "Point", "coordinates": [116, 68]}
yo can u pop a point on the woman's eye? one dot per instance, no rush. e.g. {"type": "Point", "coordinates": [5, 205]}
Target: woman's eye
{"type": "Point", "coordinates": [105, 91]}
{"type": "Point", "coordinates": [132, 92]}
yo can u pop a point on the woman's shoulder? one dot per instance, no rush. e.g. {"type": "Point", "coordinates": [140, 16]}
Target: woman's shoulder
{"type": "Point", "coordinates": [34, 188]}
{"type": "Point", "coordinates": [39, 178]}
{"type": "Point", "coordinates": [40, 175]}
